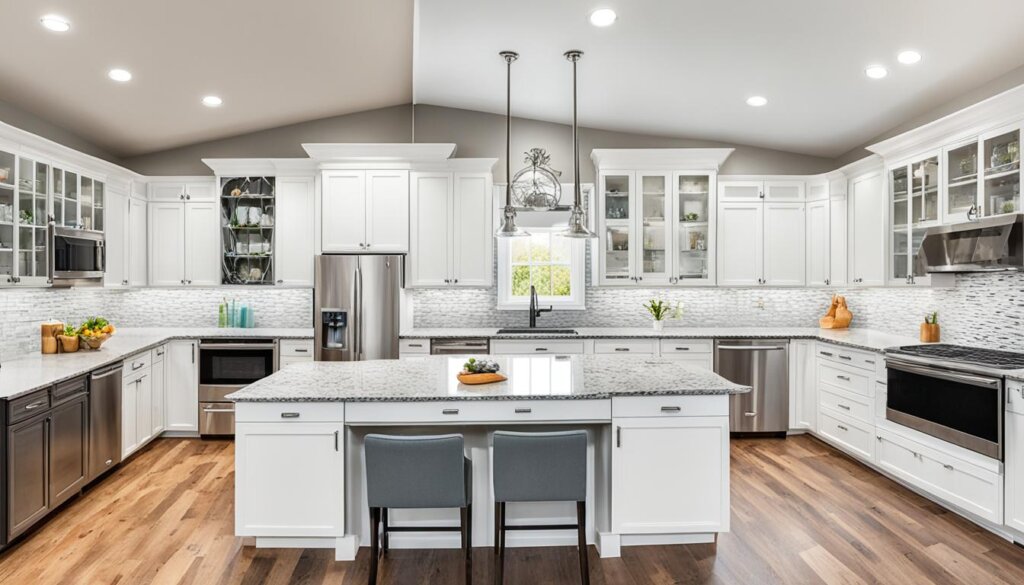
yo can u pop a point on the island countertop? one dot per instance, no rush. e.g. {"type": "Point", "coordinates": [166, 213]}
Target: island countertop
{"type": "Point", "coordinates": [529, 378]}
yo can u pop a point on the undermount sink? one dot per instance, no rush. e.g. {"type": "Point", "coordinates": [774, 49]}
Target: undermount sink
{"type": "Point", "coordinates": [536, 331]}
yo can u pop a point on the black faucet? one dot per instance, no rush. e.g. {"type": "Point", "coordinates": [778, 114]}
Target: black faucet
{"type": "Point", "coordinates": [535, 311]}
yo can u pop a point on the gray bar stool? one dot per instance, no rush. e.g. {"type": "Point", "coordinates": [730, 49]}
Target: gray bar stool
{"type": "Point", "coordinates": [540, 467]}
{"type": "Point", "coordinates": [417, 472]}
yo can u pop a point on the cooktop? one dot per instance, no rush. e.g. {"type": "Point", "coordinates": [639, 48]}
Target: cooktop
{"type": "Point", "coordinates": [992, 358]}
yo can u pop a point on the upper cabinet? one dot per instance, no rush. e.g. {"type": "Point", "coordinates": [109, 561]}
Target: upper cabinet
{"type": "Point", "coordinates": [867, 229]}
{"type": "Point", "coordinates": [184, 243]}
{"type": "Point", "coordinates": [826, 241]}
{"type": "Point", "coordinates": [451, 236]}
{"type": "Point", "coordinates": [28, 242]}
{"type": "Point", "coordinates": [184, 189]}
{"type": "Point", "coordinates": [248, 215]}
{"type": "Point", "coordinates": [914, 207]}
{"type": "Point", "coordinates": [293, 254]}
{"type": "Point", "coordinates": [761, 239]}
{"type": "Point", "coordinates": [1001, 177]}
{"type": "Point", "coordinates": [365, 211]}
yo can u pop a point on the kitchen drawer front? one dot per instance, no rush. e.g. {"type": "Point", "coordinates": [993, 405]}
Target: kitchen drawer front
{"type": "Point", "coordinates": [69, 389]}
{"type": "Point", "coordinates": [852, 357]}
{"type": "Point", "coordinates": [411, 346]}
{"type": "Point", "coordinates": [537, 346]}
{"type": "Point", "coordinates": [288, 412]}
{"type": "Point", "coordinates": [686, 346]}
{"type": "Point", "coordinates": [626, 346]}
{"type": "Point", "coordinates": [158, 353]}
{"type": "Point", "coordinates": [643, 406]}
{"type": "Point", "coordinates": [284, 361]}
{"type": "Point", "coordinates": [136, 363]}
{"type": "Point", "coordinates": [27, 406]}
{"type": "Point", "coordinates": [854, 405]}
{"type": "Point", "coordinates": [478, 411]}
{"type": "Point", "coordinates": [855, 438]}
{"type": "Point", "coordinates": [705, 361]}
{"type": "Point", "coordinates": [295, 347]}
{"type": "Point", "coordinates": [847, 378]}
{"type": "Point", "coordinates": [964, 485]}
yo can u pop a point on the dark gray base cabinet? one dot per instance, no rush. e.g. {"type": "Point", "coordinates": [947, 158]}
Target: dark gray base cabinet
{"type": "Point", "coordinates": [28, 444]}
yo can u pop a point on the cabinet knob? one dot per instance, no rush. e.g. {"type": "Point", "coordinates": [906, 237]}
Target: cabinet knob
{"type": "Point", "coordinates": [456, 281]}
{"type": "Point", "coordinates": [188, 197]}
{"type": "Point", "coordinates": [280, 282]}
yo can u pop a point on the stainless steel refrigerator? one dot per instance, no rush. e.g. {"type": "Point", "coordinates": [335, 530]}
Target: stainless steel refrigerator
{"type": "Point", "coordinates": [355, 306]}
{"type": "Point", "coordinates": [762, 364]}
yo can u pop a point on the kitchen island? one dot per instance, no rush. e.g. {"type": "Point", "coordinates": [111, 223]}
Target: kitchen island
{"type": "Point", "coordinates": [658, 447]}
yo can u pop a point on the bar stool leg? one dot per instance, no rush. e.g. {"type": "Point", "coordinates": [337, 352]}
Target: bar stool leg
{"type": "Point", "coordinates": [499, 563]}
{"type": "Point", "coordinates": [581, 522]}
{"type": "Point", "coordinates": [497, 527]}
{"type": "Point", "coordinates": [467, 540]}
{"type": "Point", "coordinates": [385, 541]}
{"type": "Point", "coordinates": [374, 525]}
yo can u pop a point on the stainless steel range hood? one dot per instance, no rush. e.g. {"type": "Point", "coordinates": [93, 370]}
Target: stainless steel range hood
{"type": "Point", "coordinates": [986, 245]}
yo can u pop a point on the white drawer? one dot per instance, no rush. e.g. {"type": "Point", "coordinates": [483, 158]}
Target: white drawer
{"type": "Point", "coordinates": [1015, 398]}
{"type": "Point", "coordinates": [158, 353]}
{"type": "Point", "coordinates": [295, 347]}
{"type": "Point", "coordinates": [535, 346]}
{"type": "Point", "coordinates": [846, 378]}
{"type": "Point", "coordinates": [285, 361]}
{"type": "Point", "coordinates": [848, 403]}
{"type": "Point", "coordinates": [420, 346]}
{"type": "Point", "coordinates": [848, 435]}
{"type": "Point", "coordinates": [686, 346]}
{"type": "Point", "coordinates": [626, 346]}
{"type": "Point", "coordinates": [640, 406]}
{"type": "Point", "coordinates": [136, 364]}
{"type": "Point", "coordinates": [844, 355]}
{"type": "Point", "coordinates": [477, 411]}
{"type": "Point", "coordinates": [946, 477]}
{"type": "Point", "coordinates": [290, 412]}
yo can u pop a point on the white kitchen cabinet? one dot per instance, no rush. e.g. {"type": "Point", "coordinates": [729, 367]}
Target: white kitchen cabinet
{"type": "Point", "coordinates": [867, 232]}
{"type": "Point", "coordinates": [294, 244]}
{"type": "Point", "coordinates": [289, 479]}
{"type": "Point", "coordinates": [784, 252]}
{"type": "Point", "coordinates": [136, 411]}
{"type": "Point", "coordinates": [761, 239]}
{"type": "Point", "coordinates": [761, 188]}
{"type": "Point", "coordinates": [116, 227]}
{"type": "Point", "coordinates": [803, 382]}
{"type": "Point", "coordinates": [197, 189]}
{"type": "Point", "coordinates": [159, 385]}
{"type": "Point", "coordinates": [740, 241]}
{"type": "Point", "coordinates": [826, 237]}
{"type": "Point", "coordinates": [138, 245]}
{"type": "Point", "coordinates": [450, 229]}
{"type": "Point", "coordinates": [365, 211]}
{"type": "Point", "coordinates": [695, 352]}
{"type": "Point", "coordinates": [181, 387]}
{"type": "Point", "coordinates": [1014, 455]}
{"type": "Point", "coordinates": [184, 243]}
{"type": "Point", "coordinates": [914, 201]}
{"type": "Point", "coordinates": [293, 351]}
{"type": "Point", "coordinates": [670, 474]}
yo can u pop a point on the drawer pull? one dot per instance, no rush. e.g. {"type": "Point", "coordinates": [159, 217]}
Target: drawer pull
{"type": "Point", "coordinates": [35, 405]}
{"type": "Point", "coordinates": [845, 357]}
{"type": "Point", "coordinates": [948, 466]}
{"type": "Point", "coordinates": [160, 353]}
{"type": "Point", "coordinates": [682, 349]}
{"type": "Point", "coordinates": [872, 362]}
{"type": "Point", "coordinates": [450, 411]}
{"type": "Point", "coordinates": [301, 350]}
{"type": "Point", "coordinates": [524, 410]}
{"type": "Point", "coordinates": [415, 345]}
{"type": "Point", "coordinates": [137, 365]}
{"type": "Point", "coordinates": [750, 414]}
{"type": "Point", "coordinates": [843, 406]}
{"type": "Point", "coordinates": [842, 428]}
{"type": "Point", "coordinates": [289, 415]}
{"type": "Point", "coordinates": [670, 409]}
{"type": "Point", "coordinates": [540, 349]}
{"type": "Point", "coordinates": [826, 353]}
{"type": "Point", "coordinates": [621, 349]}
{"type": "Point", "coordinates": [844, 378]}
{"type": "Point", "coordinates": [879, 438]}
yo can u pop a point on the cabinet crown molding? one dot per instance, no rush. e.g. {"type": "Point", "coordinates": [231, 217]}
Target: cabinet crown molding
{"type": "Point", "coordinates": [398, 152]}
{"type": "Point", "coordinates": [690, 159]}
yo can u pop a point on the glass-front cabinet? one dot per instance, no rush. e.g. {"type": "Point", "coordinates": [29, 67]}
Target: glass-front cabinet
{"type": "Point", "coordinates": [30, 245]}
{"type": "Point", "coordinates": [78, 200]}
{"type": "Point", "coordinates": [1000, 161]}
{"type": "Point", "coordinates": [962, 182]}
{"type": "Point", "coordinates": [914, 189]}
{"type": "Point", "coordinates": [8, 215]}
{"type": "Point", "coordinates": [656, 228]}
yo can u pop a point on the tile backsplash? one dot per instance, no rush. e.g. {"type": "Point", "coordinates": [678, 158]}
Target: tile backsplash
{"type": "Point", "coordinates": [22, 310]}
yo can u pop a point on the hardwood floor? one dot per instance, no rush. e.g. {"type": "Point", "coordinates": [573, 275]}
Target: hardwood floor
{"type": "Point", "coordinates": [802, 513]}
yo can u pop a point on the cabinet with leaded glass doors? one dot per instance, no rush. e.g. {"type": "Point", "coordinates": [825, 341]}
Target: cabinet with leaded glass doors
{"type": "Point", "coordinates": [655, 228]}
{"type": "Point", "coordinates": [914, 198]}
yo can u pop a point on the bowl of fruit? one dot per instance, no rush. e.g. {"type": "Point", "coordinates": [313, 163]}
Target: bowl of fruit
{"type": "Point", "coordinates": [95, 331]}
{"type": "Point", "coordinates": [476, 371]}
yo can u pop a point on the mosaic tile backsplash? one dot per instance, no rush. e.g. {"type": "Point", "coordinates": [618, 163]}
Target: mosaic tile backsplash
{"type": "Point", "coordinates": [21, 311]}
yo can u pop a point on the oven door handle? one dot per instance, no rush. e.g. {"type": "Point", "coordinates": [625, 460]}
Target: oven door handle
{"type": "Point", "coordinates": [941, 374]}
{"type": "Point", "coordinates": [214, 410]}
{"type": "Point", "coordinates": [237, 346]}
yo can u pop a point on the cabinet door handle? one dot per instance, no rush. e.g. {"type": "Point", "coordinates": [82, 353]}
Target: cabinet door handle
{"type": "Point", "coordinates": [844, 378]}
{"type": "Point", "coordinates": [450, 411]}
{"type": "Point", "coordinates": [618, 436]}
{"type": "Point", "coordinates": [750, 414]}
{"type": "Point", "coordinates": [872, 362]}
{"type": "Point", "coordinates": [335, 440]}
{"type": "Point", "coordinates": [193, 353]}
{"type": "Point", "coordinates": [845, 357]}
{"type": "Point", "coordinates": [948, 466]}
{"type": "Point", "coordinates": [842, 428]}
{"type": "Point", "coordinates": [289, 415]}
{"type": "Point", "coordinates": [825, 353]}
{"type": "Point", "coordinates": [524, 410]}
{"type": "Point", "coordinates": [671, 409]}
{"type": "Point", "coordinates": [137, 366]}
{"type": "Point", "coordinates": [843, 406]}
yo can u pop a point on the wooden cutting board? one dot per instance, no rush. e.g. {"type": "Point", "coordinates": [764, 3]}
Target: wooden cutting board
{"type": "Point", "coordinates": [474, 379]}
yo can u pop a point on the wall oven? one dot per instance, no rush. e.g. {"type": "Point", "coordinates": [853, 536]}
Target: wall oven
{"type": "Point", "coordinates": [961, 407]}
{"type": "Point", "coordinates": [226, 365]}
{"type": "Point", "coordinates": [77, 256]}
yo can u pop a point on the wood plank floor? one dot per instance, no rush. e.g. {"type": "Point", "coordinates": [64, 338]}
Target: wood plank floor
{"type": "Point", "coordinates": [802, 513]}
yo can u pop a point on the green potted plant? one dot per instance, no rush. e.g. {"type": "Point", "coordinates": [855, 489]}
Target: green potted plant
{"type": "Point", "coordinates": [661, 310]}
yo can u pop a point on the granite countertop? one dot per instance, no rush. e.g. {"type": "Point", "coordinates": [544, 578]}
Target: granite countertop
{"type": "Point", "coordinates": [529, 378]}
{"type": "Point", "coordinates": [866, 339]}
{"type": "Point", "coordinates": [32, 372]}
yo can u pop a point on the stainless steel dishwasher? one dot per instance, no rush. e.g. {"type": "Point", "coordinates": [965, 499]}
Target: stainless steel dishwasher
{"type": "Point", "coordinates": [762, 364]}
{"type": "Point", "coordinates": [104, 419]}
{"type": "Point", "coordinates": [460, 346]}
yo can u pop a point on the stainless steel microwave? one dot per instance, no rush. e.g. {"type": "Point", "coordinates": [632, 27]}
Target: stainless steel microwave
{"type": "Point", "coordinates": [76, 256]}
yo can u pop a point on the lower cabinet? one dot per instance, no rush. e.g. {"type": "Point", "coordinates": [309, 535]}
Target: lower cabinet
{"type": "Point", "coordinates": [289, 478]}
{"type": "Point", "coordinates": [28, 446]}
{"type": "Point", "coordinates": [69, 440]}
{"type": "Point", "coordinates": [670, 472]}
{"type": "Point", "coordinates": [1014, 445]}
{"type": "Point", "coordinates": [803, 379]}
{"type": "Point", "coordinates": [136, 411]}
{"type": "Point", "coordinates": [158, 383]}
{"type": "Point", "coordinates": [181, 386]}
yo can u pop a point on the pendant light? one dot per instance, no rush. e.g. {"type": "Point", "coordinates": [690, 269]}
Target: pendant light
{"type": "Point", "coordinates": [508, 228]}
{"type": "Point", "coordinates": [577, 225]}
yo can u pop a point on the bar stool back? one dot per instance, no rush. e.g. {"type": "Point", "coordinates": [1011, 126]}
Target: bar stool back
{"type": "Point", "coordinates": [540, 467]}
{"type": "Point", "coordinates": [417, 472]}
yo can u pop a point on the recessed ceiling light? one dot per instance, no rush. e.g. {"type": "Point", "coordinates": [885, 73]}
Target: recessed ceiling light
{"type": "Point", "coordinates": [909, 57]}
{"type": "Point", "coordinates": [876, 72]}
{"type": "Point", "coordinates": [56, 23]}
{"type": "Point", "coordinates": [757, 101]}
{"type": "Point", "coordinates": [212, 101]}
{"type": "Point", "coordinates": [603, 17]}
{"type": "Point", "coordinates": [121, 75]}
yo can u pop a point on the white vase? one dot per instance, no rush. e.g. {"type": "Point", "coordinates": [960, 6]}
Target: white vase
{"type": "Point", "coordinates": [659, 325]}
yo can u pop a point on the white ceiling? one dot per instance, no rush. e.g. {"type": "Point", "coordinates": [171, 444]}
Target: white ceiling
{"type": "Point", "coordinates": [685, 68]}
{"type": "Point", "coordinates": [274, 62]}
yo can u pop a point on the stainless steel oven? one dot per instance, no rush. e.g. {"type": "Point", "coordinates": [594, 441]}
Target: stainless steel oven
{"type": "Point", "coordinates": [77, 256]}
{"type": "Point", "coordinates": [226, 365]}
